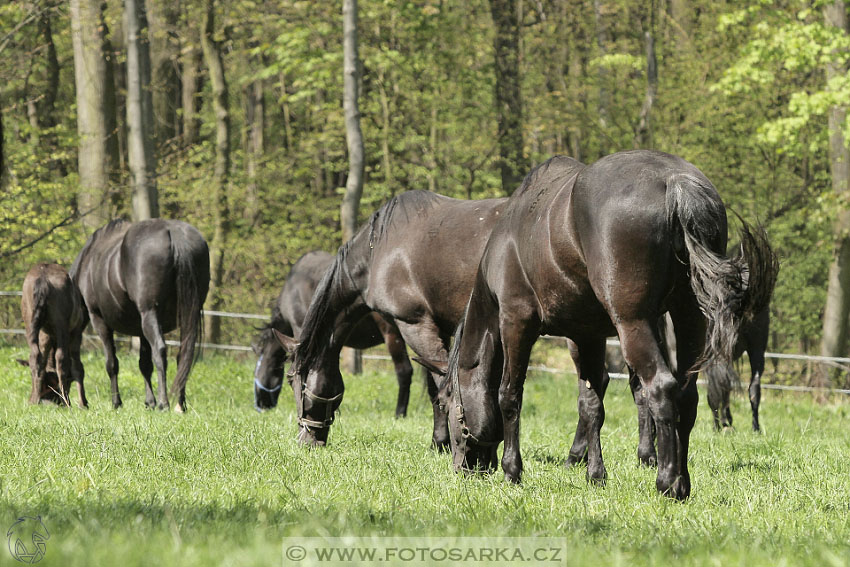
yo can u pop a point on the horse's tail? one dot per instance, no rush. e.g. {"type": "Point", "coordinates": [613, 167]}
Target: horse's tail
{"type": "Point", "coordinates": [192, 286]}
{"type": "Point", "coordinates": [728, 290]}
{"type": "Point", "coordinates": [40, 294]}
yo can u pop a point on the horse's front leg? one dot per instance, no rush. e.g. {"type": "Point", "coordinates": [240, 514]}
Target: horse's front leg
{"type": "Point", "coordinates": [519, 330]}
{"type": "Point", "coordinates": [425, 339]}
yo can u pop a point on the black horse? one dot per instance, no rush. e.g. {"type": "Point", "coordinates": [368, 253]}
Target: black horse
{"type": "Point", "coordinates": [144, 279]}
{"type": "Point", "coordinates": [413, 262]}
{"type": "Point", "coordinates": [722, 377]}
{"type": "Point", "coordinates": [587, 253]}
{"type": "Point", "coordinates": [288, 317]}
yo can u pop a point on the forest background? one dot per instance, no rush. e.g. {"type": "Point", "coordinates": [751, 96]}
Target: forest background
{"type": "Point", "coordinates": [247, 139]}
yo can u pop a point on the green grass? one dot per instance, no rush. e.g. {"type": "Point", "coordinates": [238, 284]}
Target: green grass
{"type": "Point", "coordinates": [224, 484]}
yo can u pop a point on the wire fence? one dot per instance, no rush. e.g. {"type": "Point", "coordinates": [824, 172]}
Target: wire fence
{"type": "Point", "coordinates": [839, 362]}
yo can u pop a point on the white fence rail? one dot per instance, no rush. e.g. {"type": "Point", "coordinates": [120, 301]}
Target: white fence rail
{"type": "Point", "coordinates": [835, 361]}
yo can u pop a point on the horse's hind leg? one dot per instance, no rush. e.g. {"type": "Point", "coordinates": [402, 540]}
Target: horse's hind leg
{"type": "Point", "coordinates": [646, 426]}
{"type": "Point", "coordinates": [590, 406]}
{"type": "Point", "coordinates": [78, 372]}
{"type": "Point", "coordinates": [578, 450]}
{"type": "Point", "coordinates": [642, 353]}
{"type": "Point", "coordinates": [756, 367]}
{"type": "Point", "coordinates": [37, 365]}
{"type": "Point", "coordinates": [146, 368]}
{"type": "Point", "coordinates": [62, 358]}
{"type": "Point", "coordinates": [689, 324]}
{"type": "Point", "coordinates": [105, 334]}
{"type": "Point", "coordinates": [159, 352]}
{"type": "Point", "coordinates": [403, 369]}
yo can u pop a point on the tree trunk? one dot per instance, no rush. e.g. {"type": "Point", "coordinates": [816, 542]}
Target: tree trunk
{"type": "Point", "coordinates": [643, 134]}
{"type": "Point", "coordinates": [140, 112]}
{"type": "Point", "coordinates": [190, 86]}
{"type": "Point", "coordinates": [255, 112]}
{"type": "Point", "coordinates": [164, 56]}
{"type": "Point", "coordinates": [95, 101]}
{"type": "Point", "coordinates": [213, 58]}
{"type": "Point", "coordinates": [354, 137]}
{"type": "Point", "coordinates": [508, 93]}
{"type": "Point", "coordinates": [602, 45]}
{"type": "Point", "coordinates": [834, 342]}
{"type": "Point", "coordinates": [682, 15]}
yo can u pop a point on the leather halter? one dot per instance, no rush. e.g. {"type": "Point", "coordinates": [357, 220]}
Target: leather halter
{"type": "Point", "coordinates": [331, 404]}
{"type": "Point", "coordinates": [465, 434]}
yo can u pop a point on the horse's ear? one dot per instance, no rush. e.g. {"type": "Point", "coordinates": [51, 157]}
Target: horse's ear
{"type": "Point", "coordinates": [288, 343]}
{"type": "Point", "coordinates": [436, 366]}
{"type": "Point", "coordinates": [23, 362]}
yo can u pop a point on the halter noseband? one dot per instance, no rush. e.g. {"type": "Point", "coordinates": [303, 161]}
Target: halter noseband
{"type": "Point", "coordinates": [257, 380]}
{"type": "Point", "coordinates": [331, 404]}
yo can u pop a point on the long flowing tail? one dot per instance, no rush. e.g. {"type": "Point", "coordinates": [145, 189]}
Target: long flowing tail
{"type": "Point", "coordinates": [728, 290]}
{"type": "Point", "coordinates": [40, 293]}
{"type": "Point", "coordinates": [193, 276]}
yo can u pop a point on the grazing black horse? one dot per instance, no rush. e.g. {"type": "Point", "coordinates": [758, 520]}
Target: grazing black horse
{"type": "Point", "coordinates": [722, 377]}
{"type": "Point", "coordinates": [288, 315]}
{"type": "Point", "coordinates": [144, 279]}
{"type": "Point", "coordinates": [413, 262]}
{"type": "Point", "coordinates": [587, 253]}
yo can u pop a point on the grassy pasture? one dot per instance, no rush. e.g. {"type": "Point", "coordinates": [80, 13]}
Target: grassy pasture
{"type": "Point", "coordinates": [223, 485]}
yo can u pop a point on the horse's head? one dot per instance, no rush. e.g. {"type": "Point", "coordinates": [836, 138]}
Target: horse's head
{"type": "Point", "coordinates": [318, 391]}
{"type": "Point", "coordinates": [469, 399]}
{"type": "Point", "coordinates": [268, 373]}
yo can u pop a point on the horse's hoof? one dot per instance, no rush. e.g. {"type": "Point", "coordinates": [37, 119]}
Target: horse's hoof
{"type": "Point", "coordinates": [573, 461]}
{"type": "Point", "coordinates": [179, 409]}
{"type": "Point", "coordinates": [162, 406]}
{"type": "Point", "coordinates": [513, 478]}
{"type": "Point", "coordinates": [650, 461]}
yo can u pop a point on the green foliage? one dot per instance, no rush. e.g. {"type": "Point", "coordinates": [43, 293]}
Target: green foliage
{"type": "Point", "coordinates": [224, 484]}
{"type": "Point", "coordinates": [741, 93]}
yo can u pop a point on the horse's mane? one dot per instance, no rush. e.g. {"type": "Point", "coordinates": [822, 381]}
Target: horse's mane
{"type": "Point", "coordinates": [410, 203]}
{"type": "Point", "coordinates": [319, 323]}
{"type": "Point", "coordinates": [96, 235]}
{"type": "Point", "coordinates": [539, 170]}
{"type": "Point", "coordinates": [318, 326]}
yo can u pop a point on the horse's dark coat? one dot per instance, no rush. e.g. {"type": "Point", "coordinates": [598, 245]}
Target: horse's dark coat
{"type": "Point", "coordinates": [144, 279]}
{"type": "Point", "coordinates": [287, 318]}
{"type": "Point", "coordinates": [586, 253]}
{"type": "Point", "coordinates": [413, 263]}
{"type": "Point", "coordinates": [55, 316]}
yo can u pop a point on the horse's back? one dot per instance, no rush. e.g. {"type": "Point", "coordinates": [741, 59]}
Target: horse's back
{"type": "Point", "coordinates": [60, 298]}
{"type": "Point", "coordinates": [297, 291]}
{"type": "Point", "coordinates": [424, 253]}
